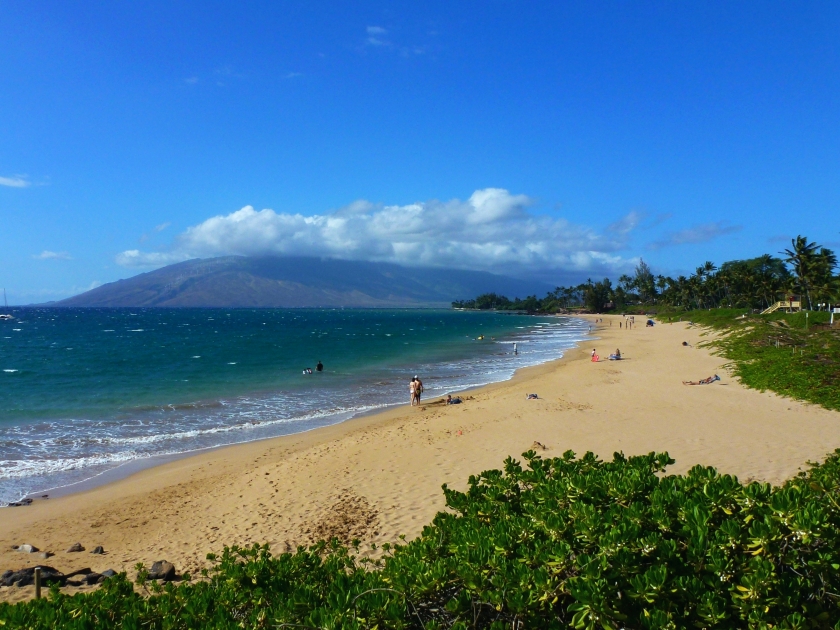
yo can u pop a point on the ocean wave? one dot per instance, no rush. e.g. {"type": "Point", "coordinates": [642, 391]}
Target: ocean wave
{"type": "Point", "coordinates": [53, 453]}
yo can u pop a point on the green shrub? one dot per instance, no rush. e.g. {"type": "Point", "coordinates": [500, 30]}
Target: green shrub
{"type": "Point", "coordinates": [557, 543]}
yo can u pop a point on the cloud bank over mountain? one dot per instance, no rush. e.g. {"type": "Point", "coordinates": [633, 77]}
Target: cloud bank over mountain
{"type": "Point", "coordinates": [493, 230]}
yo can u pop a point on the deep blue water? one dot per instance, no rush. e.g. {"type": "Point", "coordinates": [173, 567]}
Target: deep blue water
{"type": "Point", "coordinates": [84, 390]}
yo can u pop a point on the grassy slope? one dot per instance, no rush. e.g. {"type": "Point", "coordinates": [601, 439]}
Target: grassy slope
{"type": "Point", "coordinates": [775, 352]}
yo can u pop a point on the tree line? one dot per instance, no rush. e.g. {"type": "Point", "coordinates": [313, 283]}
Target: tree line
{"type": "Point", "coordinates": [805, 270]}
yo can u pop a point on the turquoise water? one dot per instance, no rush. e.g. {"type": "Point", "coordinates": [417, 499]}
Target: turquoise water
{"type": "Point", "coordinates": [84, 390]}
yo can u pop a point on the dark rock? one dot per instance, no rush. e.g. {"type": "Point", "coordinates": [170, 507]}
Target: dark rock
{"type": "Point", "coordinates": [20, 503]}
{"type": "Point", "coordinates": [108, 573]}
{"type": "Point", "coordinates": [75, 547]}
{"type": "Point", "coordinates": [162, 570]}
{"type": "Point", "coordinates": [92, 578]}
{"type": "Point", "coordinates": [25, 548]}
{"type": "Point", "coordinates": [98, 550]}
{"type": "Point", "coordinates": [26, 577]}
{"type": "Point", "coordinates": [84, 571]}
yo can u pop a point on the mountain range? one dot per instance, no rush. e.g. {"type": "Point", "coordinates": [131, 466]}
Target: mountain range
{"type": "Point", "coordinates": [292, 282]}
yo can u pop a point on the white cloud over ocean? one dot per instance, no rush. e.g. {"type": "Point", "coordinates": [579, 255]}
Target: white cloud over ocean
{"type": "Point", "coordinates": [493, 230]}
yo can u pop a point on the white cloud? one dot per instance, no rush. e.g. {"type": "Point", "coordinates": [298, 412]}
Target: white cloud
{"type": "Point", "coordinates": [136, 258]}
{"type": "Point", "coordinates": [48, 255]}
{"type": "Point", "coordinates": [18, 181]}
{"type": "Point", "coordinates": [696, 234]}
{"type": "Point", "coordinates": [374, 37]}
{"type": "Point", "coordinates": [492, 230]}
{"type": "Point", "coordinates": [627, 223]}
{"type": "Point", "coordinates": [191, 80]}
{"type": "Point", "coordinates": [162, 226]}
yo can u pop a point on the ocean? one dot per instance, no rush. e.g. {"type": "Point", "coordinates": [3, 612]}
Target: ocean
{"type": "Point", "coordinates": [83, 391]}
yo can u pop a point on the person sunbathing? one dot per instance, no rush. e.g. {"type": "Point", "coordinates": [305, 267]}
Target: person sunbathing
{"type": "Point", "coordinates": [703, 381]}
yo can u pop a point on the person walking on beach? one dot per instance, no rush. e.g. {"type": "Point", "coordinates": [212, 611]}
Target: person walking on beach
{"type": "Point", "coordinates": [418, 388]}
{"type": "Point", "coordinates": [412, 389]}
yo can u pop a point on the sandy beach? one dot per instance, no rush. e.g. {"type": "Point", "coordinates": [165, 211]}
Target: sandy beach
{"type": "Point", "coordinates": [377, 477]}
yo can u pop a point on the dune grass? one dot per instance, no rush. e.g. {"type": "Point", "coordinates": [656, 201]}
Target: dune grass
{"type": "Point", "coordinates": [776, 352]}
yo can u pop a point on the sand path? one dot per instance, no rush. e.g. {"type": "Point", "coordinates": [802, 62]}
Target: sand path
{"type": "Point", "coordinates": [377, 477]}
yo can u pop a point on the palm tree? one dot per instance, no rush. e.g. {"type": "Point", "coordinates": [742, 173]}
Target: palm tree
{"type": "Point", "coordinates": [661, 283]}
{"type": "Point", "coordinates": [802, 257]}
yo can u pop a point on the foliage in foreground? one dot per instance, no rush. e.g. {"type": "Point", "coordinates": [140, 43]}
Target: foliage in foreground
{"type": "Point", "coordinates": [558, 543]}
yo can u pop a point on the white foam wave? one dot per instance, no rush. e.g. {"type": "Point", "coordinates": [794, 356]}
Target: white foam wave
{"type": "Point", "coordinates": [179, 429]}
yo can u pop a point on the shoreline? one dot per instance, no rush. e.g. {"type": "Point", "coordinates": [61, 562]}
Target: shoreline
{"type": "Point", "coordinates": [132, 467]}
{"type": "Point", "coordinates": [376, 477]}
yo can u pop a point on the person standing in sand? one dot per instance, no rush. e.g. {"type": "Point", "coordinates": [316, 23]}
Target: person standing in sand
{"type": "Point", "coordinates": [418, 388]}
{"type": "Point", "coordinates": [412, 389]}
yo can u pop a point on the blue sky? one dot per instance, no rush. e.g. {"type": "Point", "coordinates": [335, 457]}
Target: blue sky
{"type": "Point", "coordinates": [559, 140]}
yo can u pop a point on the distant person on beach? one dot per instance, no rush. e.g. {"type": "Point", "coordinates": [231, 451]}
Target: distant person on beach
{"type": "Point", "coordinates": [418, 388]}
{"type": "Point", "coordinates": [452, 401]}
{"type": "Point", "coordinates": [412, 389]}
{"type": "Point", "coordinates": [319, 367]}
{"type": "Point", "coordinates": [515, 351]}
{"type": "Point", "coordinates": [703, 381]}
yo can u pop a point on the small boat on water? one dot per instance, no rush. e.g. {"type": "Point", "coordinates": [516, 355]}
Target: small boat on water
{"type": "Point", "coordinates": [5, 316]}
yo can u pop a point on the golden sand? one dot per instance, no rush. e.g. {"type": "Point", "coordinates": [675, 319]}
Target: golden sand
{"type": "Point", "coordinates": [379, 476]}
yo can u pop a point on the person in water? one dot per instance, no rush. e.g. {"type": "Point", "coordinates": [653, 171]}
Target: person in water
{"type": "Point", "coordinates": [319, 367]}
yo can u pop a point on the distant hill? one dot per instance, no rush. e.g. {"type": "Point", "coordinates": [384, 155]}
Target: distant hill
{"type": "Point", "coordinates": [274, 282]}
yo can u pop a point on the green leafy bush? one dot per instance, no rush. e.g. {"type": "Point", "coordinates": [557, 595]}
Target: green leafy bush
{"type": "Point", "coordinates": [556, 543]}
